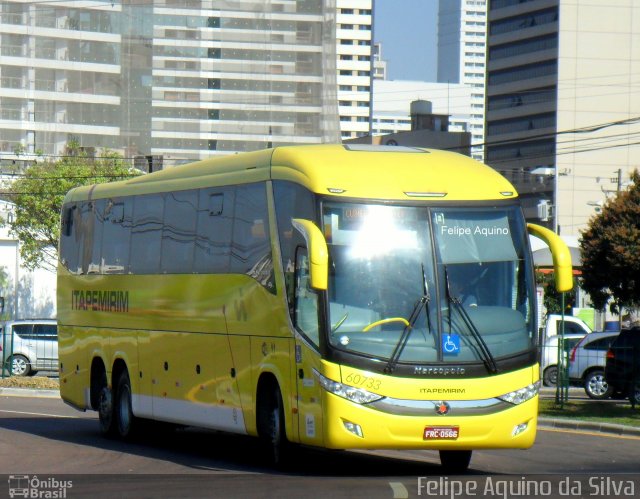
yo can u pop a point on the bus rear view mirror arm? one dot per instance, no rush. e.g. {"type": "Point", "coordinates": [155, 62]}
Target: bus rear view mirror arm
{"type": "Point", "coordinates": [318, 254]}
{"type": "Point", "coordinates": [560, 254]}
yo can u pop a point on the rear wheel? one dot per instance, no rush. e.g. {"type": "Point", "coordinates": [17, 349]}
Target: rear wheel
{"type": "Point", "coordinates": [125, 421]}
{"type": "Point", "coordinates": [455, 461]}
{"type": "Point", "coordinates": [550, 377]}
{"type": "Point", "coordinates": [596, 385]}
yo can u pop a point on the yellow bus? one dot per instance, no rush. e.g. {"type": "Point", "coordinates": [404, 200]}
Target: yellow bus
{"type": "Point", "coordinates": [344, 297]}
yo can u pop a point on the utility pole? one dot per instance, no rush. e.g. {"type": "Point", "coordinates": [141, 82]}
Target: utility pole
{"type": "Point", "coordinates": [619, 179]}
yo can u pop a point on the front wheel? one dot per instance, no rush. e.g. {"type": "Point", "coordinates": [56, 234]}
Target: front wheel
{"type": "Point", "coordinates": [596, 386]}
{"type": "Point", "coordinates": [271, 429]}
{"type": "Point", "coordinates": [455, 461]}
{"type": "Point", "coordinates": [20, 366]}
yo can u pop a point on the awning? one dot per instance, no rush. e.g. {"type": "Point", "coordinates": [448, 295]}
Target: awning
{"type": "Point", "coordinates": [542, 254]}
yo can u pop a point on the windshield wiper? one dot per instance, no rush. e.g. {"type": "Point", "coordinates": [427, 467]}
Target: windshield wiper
{"type": "Point", "coordinates": [487, 357]}
{"type": "Point", "coordinates": [402, 342]}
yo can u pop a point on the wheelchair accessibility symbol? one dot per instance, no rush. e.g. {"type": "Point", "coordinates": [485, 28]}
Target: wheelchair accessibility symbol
{"type": "Point", "coordinates": [451, 344]}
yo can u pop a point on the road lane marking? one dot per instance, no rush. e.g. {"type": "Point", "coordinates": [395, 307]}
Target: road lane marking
{"type": "Point", "coordinates": [40, 414]}
{"type": "Point", "coordinates": [591, 433]}
{"type": "Point", "coordinates": [399, 490]}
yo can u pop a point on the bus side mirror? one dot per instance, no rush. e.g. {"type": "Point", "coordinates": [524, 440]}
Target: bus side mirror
{"type": "Point", "coordinates": [559, 252]}
{"type": "Point", "coordinates": [318, 253]}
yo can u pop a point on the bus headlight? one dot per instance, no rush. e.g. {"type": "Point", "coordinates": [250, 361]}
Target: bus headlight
{"type": "Point", "coordinates": [350, 393]}
{"type": "Point", "coordinates": [519, 396]}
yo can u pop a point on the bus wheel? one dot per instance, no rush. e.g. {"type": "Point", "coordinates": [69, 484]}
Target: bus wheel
{"type": "Point", "coordinates": [125, 420]}
{"type": "Point", "coordinates": [455, 461]}
{"type": "Point", "coordinates": [105, 408]}
{"type": "Point", "coordinates": [271, 428]}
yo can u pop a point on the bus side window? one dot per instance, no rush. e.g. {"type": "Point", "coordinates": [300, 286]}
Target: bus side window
{"type": "Point", "coordinates": [306, 299]}
{"type": "Point", "coordinates": [68, 245]}
{"type": "Point", "coordinates": [179, 232]}
{"type": "Point", "coordinates": [146, 234]}
{"type": "Point", "coordinates": [97, 222]}
{"type": "Point", "coordinates": [251, 244]}
{"type": "Point", "coordinates": [85, 228]}
{"type": "Point", "coordinates": [213, 230]}
{"type": "Point", "coordinates": [116, 234]}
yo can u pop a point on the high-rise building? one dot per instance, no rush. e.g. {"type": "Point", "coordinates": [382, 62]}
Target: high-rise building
{"type": "Point", "coordinates": [180, 79]}
{"type": "Point", "coordinates": [354, 52]}
{"type": "Point", "coordinates": [462, 32]}
{"type": "Point", "coordinates": [562, 102]}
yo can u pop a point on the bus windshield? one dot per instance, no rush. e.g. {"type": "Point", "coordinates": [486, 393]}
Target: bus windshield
{"type": "Point", "coordinates": [428, 285]}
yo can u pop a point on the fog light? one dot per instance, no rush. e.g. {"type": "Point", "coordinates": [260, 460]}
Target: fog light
{"type": "Point", "coordinates": [353, 428]}
{"type": "Point", "coordinates": [519, 428]}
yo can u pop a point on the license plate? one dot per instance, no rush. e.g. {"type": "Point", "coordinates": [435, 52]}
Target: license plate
{"type": "Point", "coordinates": [441, 433]}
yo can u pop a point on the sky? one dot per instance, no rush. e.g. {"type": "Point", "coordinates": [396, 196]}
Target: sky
{"type": "Point", "coordinates": [407, 30]}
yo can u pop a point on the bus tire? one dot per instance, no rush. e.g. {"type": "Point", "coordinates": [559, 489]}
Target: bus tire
{"type": "Point", "coordinates": [105, 407]}
{"type": "Point", "coordinates": [125, 421]}
{"type": "Point", "coordinates": [455, 461]}
{"type": "Point", "coordinates": [271, 428]}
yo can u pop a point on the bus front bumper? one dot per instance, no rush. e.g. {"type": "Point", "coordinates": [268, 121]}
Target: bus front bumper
{"type": "Point", "coordinates": [352, 426]}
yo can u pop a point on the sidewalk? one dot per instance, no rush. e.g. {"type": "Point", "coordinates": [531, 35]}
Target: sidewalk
{"type": "Point", "coordinates": [572, 424]}
{"type": "Point", "coordinates": [29, 392]}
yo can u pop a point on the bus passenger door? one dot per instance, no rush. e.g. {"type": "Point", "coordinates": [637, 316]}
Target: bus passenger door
{"type": "Point", "coordinates": [307, 356]}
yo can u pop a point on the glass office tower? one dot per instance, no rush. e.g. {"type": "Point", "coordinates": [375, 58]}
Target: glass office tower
{"type": "Point", "coordinates": [181, 79]}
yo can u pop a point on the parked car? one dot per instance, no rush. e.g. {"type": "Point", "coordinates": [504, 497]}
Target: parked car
{"type": "Point", "coordinates": [622, 369]}
{"type": "Point", "coordinates": [587, 362]}
{"type": "Point", "coordinates": [549, 356]}
{"type": "Point", "coordinates": [572, 324]}
{"type": "Point", "coordinates": [34, 348]}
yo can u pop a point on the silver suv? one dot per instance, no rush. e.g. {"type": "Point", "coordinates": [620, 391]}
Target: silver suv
{"type": "Point", "coordinates": [549, 357]}
{"type": "Point", "coordinates": [34, 348]}
{"type": "Point", "coordinates": [587, 361]}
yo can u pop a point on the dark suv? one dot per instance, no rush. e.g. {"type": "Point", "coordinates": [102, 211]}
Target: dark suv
{"type": "Point", "coordinates": [622, 370]}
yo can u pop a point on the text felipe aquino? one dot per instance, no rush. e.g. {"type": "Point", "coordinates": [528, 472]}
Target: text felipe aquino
{"type": "Point", "coordinates": [508, 487]}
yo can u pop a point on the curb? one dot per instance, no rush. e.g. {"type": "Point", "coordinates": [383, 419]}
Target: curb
{"type": "Point", "coordinates": [609, 428]}
{"type": "Point", "coordinates": [29, 392]}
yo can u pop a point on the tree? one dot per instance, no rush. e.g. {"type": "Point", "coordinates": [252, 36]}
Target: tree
{"type": "Point", "coordinates": [552, 300]}
{"type": "Point", "coordinates": [39, 192]}
{"type": "Point", "coordinates": [611, 251]}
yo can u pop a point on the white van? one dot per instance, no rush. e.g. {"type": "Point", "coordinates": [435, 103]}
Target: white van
{"type": "Point", "coordinates": [35, 346]}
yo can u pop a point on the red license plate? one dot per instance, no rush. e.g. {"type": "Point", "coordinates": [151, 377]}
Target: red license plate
{"type": "Point", "coordinates": [441, 433]}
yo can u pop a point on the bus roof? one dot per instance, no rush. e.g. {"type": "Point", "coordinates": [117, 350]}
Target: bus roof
{"type": "Point", "coordinates": [354, 171]}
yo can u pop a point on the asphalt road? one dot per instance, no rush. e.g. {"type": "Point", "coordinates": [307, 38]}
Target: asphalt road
{"type": "Point", "coordinates": [43, 438]}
